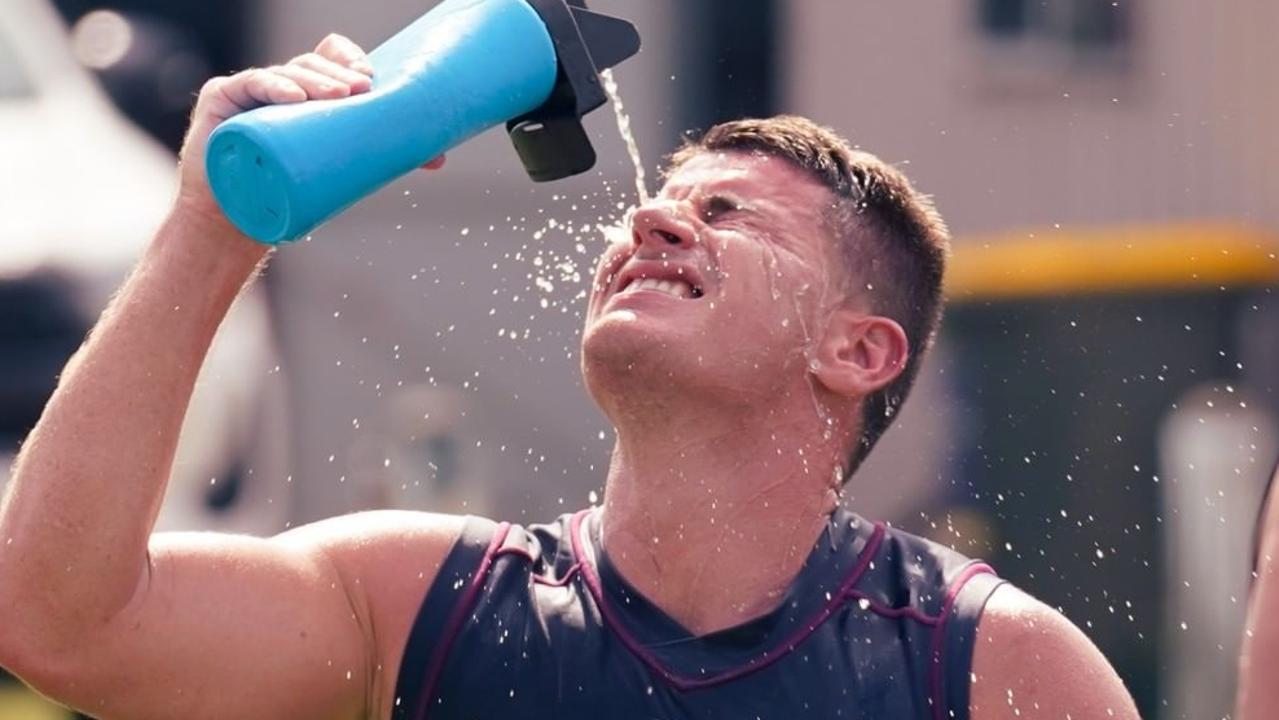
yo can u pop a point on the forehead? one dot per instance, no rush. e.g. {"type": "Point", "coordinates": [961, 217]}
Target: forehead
{"type": "Point", "coordinates": [752, 175]}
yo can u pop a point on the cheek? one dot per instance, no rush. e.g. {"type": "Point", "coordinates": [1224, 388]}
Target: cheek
{"type": "Point", "coordinates": [758, 269]}
{"type": "Point", "coordinates": [771, 298]}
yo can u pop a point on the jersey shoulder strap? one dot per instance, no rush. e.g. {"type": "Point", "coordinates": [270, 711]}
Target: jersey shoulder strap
{"type": "Point", "coordinates": [944, 592]}
{"type": "Point", "coordinates": [459, 575]}
{"type": "Point", "coordinates": [468, 572]}
{"type": "Point", "coordinates": [969, 591]}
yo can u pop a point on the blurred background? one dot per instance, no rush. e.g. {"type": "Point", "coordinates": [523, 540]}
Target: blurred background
{"type": "Point", "coordinates": [1097, 421]}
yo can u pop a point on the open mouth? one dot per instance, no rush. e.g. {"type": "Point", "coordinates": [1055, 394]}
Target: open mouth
{"type": "Point", "coordinates": [675, 287]}
{"type": "Point", "coordinates": [680, 280]}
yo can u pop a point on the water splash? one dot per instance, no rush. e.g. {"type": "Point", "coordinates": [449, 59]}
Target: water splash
{"type": "Point", "coordinates": [624, 127]}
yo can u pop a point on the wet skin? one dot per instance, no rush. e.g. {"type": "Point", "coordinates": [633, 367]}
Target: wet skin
{"type": "Point", "coordinates": [745, 231]}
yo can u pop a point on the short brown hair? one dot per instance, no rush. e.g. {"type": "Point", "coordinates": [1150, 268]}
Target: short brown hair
{"type": "Point", "coordinates": [891, 237]}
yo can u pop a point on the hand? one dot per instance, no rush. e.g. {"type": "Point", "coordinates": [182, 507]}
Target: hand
{"type": "Point", "coordinates": [337, 68]}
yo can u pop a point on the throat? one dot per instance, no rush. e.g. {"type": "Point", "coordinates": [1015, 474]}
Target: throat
{"type": "Point", "coordinates": [713, 560]}
{"type": "Point", "coordinates": [710, 511]}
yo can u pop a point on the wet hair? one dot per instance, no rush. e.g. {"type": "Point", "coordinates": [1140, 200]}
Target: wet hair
{"type": "Point", "coordinates": [891, 239]}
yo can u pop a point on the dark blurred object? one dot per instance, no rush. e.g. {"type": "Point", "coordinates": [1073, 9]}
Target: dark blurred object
{"type": "Point", "coordinates": [152, 56]}
{"type": "Point", "coordinates": [39, 329]}
{"type": "Point", "coordinates": [1076, 350]}
{"type": "Point", "coordinates": [1080, 23]}
{"type": "Point", "coordinates": [732, 54]}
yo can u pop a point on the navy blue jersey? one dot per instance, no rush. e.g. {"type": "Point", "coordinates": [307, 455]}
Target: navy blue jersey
{"type": "Point", "coordinates": [534, 621]}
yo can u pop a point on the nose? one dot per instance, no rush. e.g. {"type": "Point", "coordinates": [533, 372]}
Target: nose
{"type": "Point", "coordinates": [658, 228]}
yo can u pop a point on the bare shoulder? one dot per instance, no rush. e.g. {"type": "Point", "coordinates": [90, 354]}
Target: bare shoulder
{"type": "Point", "coordinates": [387, 560]}
{"type": "Point", "coordinates": [362, 542]}
{"type": "Point", "coordinates": [1029, 661]}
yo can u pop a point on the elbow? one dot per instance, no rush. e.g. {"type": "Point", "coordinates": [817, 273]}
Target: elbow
{"type": "Point", "coordinates": [14, 638]}
{"type": "Point", "coordinates": [29, 649]}
{"type": "Point", "coordinates": [40, 668]}
{"type": "Point", "coordinates": [20, 659]}
{"type": "Point", "coordinates": [10, 658]}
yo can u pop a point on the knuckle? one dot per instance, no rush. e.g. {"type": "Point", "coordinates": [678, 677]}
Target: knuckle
{"type": "Point", "coordinates": [333, 40]}
{"type": "Point", "coordinates": [213, 85]}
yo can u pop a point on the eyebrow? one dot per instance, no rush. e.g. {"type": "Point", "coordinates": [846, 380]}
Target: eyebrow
{"type": "Point", "coordinates": [726, 192]}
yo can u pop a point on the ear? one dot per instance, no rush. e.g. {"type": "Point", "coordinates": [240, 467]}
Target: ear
{"type": "Point", "coordinates": [859, 354]}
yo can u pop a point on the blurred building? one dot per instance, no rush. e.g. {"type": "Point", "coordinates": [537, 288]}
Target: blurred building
{"type": "Point", "coordinates": [1102, 130]}
{"type": "Point", "coordinates": [428, 336]}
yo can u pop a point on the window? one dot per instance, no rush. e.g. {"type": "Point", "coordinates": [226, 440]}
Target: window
{"type": "Point", "coordinates": [1034, 45]}
{"type": "Point", "coordinates": [1075, 30]}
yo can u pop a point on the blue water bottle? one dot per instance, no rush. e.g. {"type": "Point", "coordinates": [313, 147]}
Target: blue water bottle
{"type": "Point", "coordinates": [281, 170]}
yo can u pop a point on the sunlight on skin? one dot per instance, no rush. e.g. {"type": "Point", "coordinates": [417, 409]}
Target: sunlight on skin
{"type": "Point", "coordinates": [747, 231]}
{"type": "Point", "coordinates": [729, 204]}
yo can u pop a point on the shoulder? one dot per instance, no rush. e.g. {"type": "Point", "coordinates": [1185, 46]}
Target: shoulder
{"type": "Point", "coordinates": [369, 543]}
{"type": "Point", "coordinates": [1030, 661]}
{"type": "Point", "coordinates": [386, 560]}
{"type": "Point", "coordinates": [932, 575]}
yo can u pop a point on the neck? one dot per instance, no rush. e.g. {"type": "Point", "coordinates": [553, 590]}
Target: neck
{"type": "Point", "coordinates": [711, 517]}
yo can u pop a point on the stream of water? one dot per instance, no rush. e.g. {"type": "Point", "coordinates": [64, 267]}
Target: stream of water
{"type": "Point", "coordinates": [624, 127]}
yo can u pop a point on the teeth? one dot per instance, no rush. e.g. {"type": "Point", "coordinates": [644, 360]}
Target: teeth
{"type": "Point", "coordinates": [674, 288]}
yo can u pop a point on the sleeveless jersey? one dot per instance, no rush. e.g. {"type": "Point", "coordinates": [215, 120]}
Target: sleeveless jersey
{"type": "Point", "coordinates": [534, 622]}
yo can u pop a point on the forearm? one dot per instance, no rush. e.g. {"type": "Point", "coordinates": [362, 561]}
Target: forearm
{"type": "Point", "coordinates": [1258, 696]}
{"type": "Point", "coordinates": [88, 482]}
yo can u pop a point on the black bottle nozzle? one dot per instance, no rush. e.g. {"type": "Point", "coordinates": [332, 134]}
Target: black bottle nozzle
{"type": "Point", "coordinates": [550, 140]}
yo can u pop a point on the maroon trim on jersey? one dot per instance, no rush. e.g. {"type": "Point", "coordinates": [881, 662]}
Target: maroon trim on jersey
{"type": "Point", "coordinates": [540, 580]}
{"type": "Point", "coordinates": [894, 612]}
{"type": "Point", "coordinates": [939, 635]}
{"type": "Point", "coordinates": [681, 682]}
{"type": "Point", "coordinates": [458, 618]}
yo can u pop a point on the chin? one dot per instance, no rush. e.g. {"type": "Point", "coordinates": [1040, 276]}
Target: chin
{"type": "Point", "coordinates": [620, 350]}
{"type": "Point", "coordinates": [623, 339]}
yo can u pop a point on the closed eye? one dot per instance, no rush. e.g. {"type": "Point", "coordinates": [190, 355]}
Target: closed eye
{"type": "Point", "coordinates": [717, 206]}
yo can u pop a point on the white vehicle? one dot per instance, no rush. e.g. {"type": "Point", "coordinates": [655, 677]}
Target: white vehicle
{"type": "Point", "coordinates": [81, 192]}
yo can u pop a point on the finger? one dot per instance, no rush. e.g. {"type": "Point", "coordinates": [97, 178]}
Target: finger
{"type": "Point", "coordinates": [434, 164]}
{"type": "Point", "coordinates": [357, 81]}
{"type": "Point", "coordinates": [256, 87]}
{"type": "Point", "coordinates": [317, 85]}
{"type": "Point", "coordinates": [343, 51]}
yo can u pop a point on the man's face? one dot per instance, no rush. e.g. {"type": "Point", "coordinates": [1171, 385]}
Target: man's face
{"type": "Point", "coordinates": [719, 282]}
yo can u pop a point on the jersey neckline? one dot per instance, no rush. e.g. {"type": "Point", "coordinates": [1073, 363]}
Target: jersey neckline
{"type": "Point", "coordinates": [838, 560]}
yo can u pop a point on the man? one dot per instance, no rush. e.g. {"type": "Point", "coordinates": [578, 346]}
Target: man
{"type": "Point", "coordinates": [749, 338]}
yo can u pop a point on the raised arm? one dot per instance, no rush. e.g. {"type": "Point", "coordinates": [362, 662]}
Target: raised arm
{"type": "Point", "coordinates": [96, 613]}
